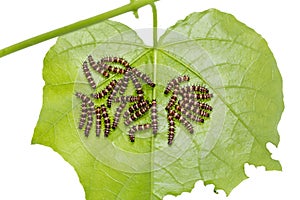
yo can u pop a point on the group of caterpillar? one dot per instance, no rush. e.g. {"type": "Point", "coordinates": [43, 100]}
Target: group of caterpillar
{"type": "Point", "coordinates": [139, 107]}
{"type": "Point", "coordinates": [191, 106]}
{"type": "Point", "coordinates": [101, 112]}
{"type": "Point", "coordinates": [134, 112]}
{"type": "Point", "coordinates": [87, 111]}
{"type": "Point", "coordinates": [187, 102]}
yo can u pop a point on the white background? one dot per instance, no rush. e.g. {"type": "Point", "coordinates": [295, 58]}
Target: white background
{"type": "Point", "coordinates": [36, 172]}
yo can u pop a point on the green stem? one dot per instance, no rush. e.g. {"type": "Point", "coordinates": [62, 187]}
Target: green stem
{"type": "Point", "coordinates": [75, 26]}
{"type": "Point", "coordinates": [154, 12]}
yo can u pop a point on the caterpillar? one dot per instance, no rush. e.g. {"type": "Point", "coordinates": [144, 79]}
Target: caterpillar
{"type": "Point", "coordinates": [173, 98]}
{"type": "Point", "coordinates": [137, 114]}
{"type": "Point", "coordinates": [121, 61]}
{"type": "Point", "coordinates": [182, 120]}
{"type": "Point", "coordinates": [85, 99]}
{"type": "Point", "coordinates": [114, 92]}
{"type": "Point", "coordinates": [90, 112]}
{"type": "Point", "coordinates": [135, 107]}
{"type": "Point", "coordinates": [110, 68]}
{"type": "Point", "coordinates": [171, 102]}
{"type": "Point", "coordinates": [106, 90]}
{"type": "Point", "coordinates": [196, 96]}
{"type": "Point", "coordinates": [200, 88]}
{"type": "Point", "coordinates": [98, 120]}
{"type": "Point", "coordinates": [143, 76]}
{"type": "Point", "coordinates": [137, 85]}
{"type": "Point", "coordinates": [204, 96]}
{"type": "Point", "coordinates": [82, 96]}
{"type": "Point", "coordinates": [194, 88]}
{"type": "Point", "coordinates": [106, 120]}
{"type": "Point", "coordinates": [171, 133]}
{"type": "Point", "coordinates": [97, 67]}
{"type": "Point", "coordinates": [175, 82]}
{"type": "Point", "coordinates": [154, 123]}
{"type": "Point", "coordinates": [125, 82]}
{"type": "Point", "coordinates": [205, 106]}
{"type": "Point", "coordinates": [131, 136]}
{"type": "Point", "coordinates": [126, 99]}
{"type": "Point", "coordinates": [117, 115]}
{"type": "Point", "coordinates": [83, 115]}
{"type": "Point", "coordinates": [136, 128]}
{"type": "Point", "coordinates": [88, 75]}
{"type": "Point", "coordinates": [89, 123]}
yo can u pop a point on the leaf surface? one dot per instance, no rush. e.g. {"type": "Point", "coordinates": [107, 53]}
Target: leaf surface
{"type": "Point", "coordinates": [215, 50]}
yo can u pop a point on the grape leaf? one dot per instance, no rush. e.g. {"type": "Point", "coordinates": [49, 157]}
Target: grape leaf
{"type": "Point", "coordinates": [215, 50]}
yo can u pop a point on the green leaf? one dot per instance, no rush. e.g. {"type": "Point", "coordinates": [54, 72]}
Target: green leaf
{"type": "Point", "coordinates": [215, 50]}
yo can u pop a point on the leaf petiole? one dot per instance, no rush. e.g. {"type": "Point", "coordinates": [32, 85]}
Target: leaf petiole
{"type": "Point", "coordinates": [154, 13]}
{"type": "Point", "coordinates": [133, 6]}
